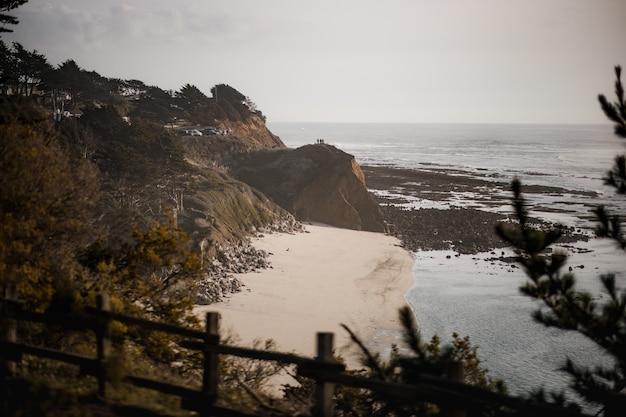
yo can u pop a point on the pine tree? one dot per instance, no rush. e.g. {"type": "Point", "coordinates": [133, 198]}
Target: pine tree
{"type": "Point", "coordinates": [52, 245]}
{"type": "Point", "coordinates": [5, 19]}
{"type": "Point", "coordinates": [608, 225]}
{"type": "Point", "coordinates": [46, 204]}
{"type": "Point", "coordinates": [567, 307]}
{"type": "Point", "coordinates": [406, 365]}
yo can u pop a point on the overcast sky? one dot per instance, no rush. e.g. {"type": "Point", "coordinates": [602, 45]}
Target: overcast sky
{"type": "Point", "coordinates": [431, 61]}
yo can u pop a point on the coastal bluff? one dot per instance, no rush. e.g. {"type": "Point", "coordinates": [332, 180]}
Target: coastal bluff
{"type": "Point", "coordinates": [244, 136]}
{"type": "Point", "coordinates": [317, 183]}
{"type": "Point", "coordinates": [207, 163]}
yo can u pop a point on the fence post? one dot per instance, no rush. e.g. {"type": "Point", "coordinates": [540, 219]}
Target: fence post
{"type": "Point", "coordinates": [615, 405]}
{"type": "Point", "coordinates": [103, 342]}
{"type": "Point", "coordinates": [324, 391]}
{"type": "Point", "coordinates": [10, 331]}
{"type": "Point", "coordinates": [210, 373]}
{"type": "Point", "coordinates": [454, 371]}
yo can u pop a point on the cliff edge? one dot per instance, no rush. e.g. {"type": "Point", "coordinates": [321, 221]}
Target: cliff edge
{"type": "Point", "coordinates": [243, 137]}
{"type": "Point", "coordinates": [315, 183]}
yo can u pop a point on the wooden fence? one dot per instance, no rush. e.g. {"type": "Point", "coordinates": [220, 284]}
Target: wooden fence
{"type": "Point", "coordinates": [453, 396]}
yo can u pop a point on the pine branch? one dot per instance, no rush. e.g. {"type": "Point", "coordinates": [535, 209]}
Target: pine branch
{"type": "Point", "coordinates": [616, 112]}
{"type": "Point", "coordinates": [619, 93]}
{"type": "Point", "coordinates": [371, 359]}
{"type": "Point", "coordinates": [411, 334]}
{"type": "Point", "coordinates": [609, 226]}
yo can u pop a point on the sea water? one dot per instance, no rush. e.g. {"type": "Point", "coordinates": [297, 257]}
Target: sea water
{"type": "Point", "coordinates": [578, 155]}
{"type": "Point", "coordinates": [470, 294]}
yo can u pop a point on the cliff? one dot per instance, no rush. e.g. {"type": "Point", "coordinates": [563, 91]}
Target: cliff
{"type": "Point", "coordinates": [315, 183]}
{"type": "Point", "coordinates": [222, 187]}
{"type": "Point", "coordinates": [252, 133]}
{"type": "Point", "coordinates": [243, 137]}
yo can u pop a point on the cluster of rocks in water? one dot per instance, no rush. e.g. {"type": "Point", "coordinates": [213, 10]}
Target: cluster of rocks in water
{"type": "Point", "coordinates": [242, 257]}
{"type": "Point", "coordinates": [464, 230]}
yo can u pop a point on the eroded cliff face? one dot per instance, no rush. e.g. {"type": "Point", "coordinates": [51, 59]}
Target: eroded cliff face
{"type": "Point", "coordinates": [253, 133]}
{"type": "Point", "coordinates": [242, 137]}
{"type": "Point", "coordinates": [315, 182]}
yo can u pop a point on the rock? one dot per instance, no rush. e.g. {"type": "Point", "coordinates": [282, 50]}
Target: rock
{"type": "Point", "coordinates": [238, 258]}
{"type": "Point", "coordinates": [315, 183]}
{"type": "Point", "coordinates": [212, 289]}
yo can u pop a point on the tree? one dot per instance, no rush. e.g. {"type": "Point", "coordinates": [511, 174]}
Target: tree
{"type": "Point", "coordinates": [52, 247]}
{"type": "Point", "coordinates": [608, 225]}
{"type": "Point", "coordinates": [150, 273]}
{"type": "Point", "coordinates": [192, 95]}
{"type": "Point", "coordinates": [230, 102]}
{"type": "Point", "coordinates": [565, 306]}
{"type": "Point", "coordinates": [7, 67]}
{"type": "Point", "coordinates": [45, 204]}
{"type": "Point", "coordinates": [224, 92]}
{"type": "Point", "coordinates": [29, 68]}
{"type": "Point", "coordinates": [405, 366]}
{"type": "Point", "coordinates": [196, 104]}
{"type": "Point", "coordinates": [67, 82]}
{"type": "Point", "coordinates": [22, 70]}
{"type": "Point", "coordinates": [5, 19]}
{"type": "Point", "coordinates": [616, 112]}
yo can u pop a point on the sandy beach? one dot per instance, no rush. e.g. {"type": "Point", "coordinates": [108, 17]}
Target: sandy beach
{"type": "Point", "coordinates": [319, 279]}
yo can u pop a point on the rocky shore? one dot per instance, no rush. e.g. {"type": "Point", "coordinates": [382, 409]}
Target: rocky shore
{"type": "Point", "coordinates": [424, 209]}
{"type": "Point", "coordinates": [454, 210]}
{"type": "Point", "coordinates": [243, 257]}
{"type": "Point", "coordinates": [467, 231]}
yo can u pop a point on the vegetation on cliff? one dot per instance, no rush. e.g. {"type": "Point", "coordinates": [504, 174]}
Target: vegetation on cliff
{"type": "Point", "coordinates": [68, 90]}
{"type": "Point", "coordinates": [96, 204]}
{"type": "Point", "coordinates": [96, 201]}
{"type": "Point", "coordinates": [56, 249]}
{"type": "Point", "coordinates": [133, 132]}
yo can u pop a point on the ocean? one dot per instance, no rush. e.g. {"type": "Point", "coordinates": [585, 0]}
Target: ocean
{"type": "Point", "coordinates": [470, 294]}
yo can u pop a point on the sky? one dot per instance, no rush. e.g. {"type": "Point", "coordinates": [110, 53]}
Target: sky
{"type": "Point", "coordinates": [415, 61]}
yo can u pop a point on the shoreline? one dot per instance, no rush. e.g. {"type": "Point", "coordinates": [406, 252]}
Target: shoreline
{"type": "Point", "coordinates": [314, 285]}
{"type": "Point", "coordinates": [467, 282]}
{"type": "Point", "coordinates": [319, 279]}
{"type": "Point", "coordinates": [453, 210]}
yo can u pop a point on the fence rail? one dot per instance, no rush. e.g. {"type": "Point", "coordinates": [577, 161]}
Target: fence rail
{"type": "Point", "coordinates": [323, 369]}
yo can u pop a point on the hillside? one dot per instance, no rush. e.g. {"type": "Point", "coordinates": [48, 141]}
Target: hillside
{"type": "Point", "coordinates": [315, 182]}
{"type": "Point", "coordinates": [133, 135]}
{"type": "Point", "coordinates": [222, 186]}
